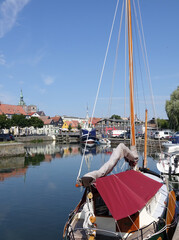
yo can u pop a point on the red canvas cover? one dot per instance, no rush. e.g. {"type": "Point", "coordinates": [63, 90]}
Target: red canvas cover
{"type": "Point", "coordinates": [127, 192]}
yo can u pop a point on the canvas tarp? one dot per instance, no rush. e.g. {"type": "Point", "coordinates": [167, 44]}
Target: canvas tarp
{"type": "Point", "coordinates": [120, 152]}
{"type": "Point", "coordinates": [127, 192]}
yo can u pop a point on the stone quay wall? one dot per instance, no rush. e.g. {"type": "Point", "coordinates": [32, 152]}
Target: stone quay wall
{"type": "Point", "coordinates": [12, 149]}
{"type": "Point", "coordinates": [33, 138]}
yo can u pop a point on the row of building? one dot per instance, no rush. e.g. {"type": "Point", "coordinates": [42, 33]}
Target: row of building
{"type": "Point", "coordinates": [54, 125]}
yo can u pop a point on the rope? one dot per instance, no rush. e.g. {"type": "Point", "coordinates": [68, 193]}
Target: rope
{"type": "Point", "coordinates": [126, 24]}
{"type": "Point", "coordinates": [104, 63]}
{"type": "Point", "coordinates": [116, 57]}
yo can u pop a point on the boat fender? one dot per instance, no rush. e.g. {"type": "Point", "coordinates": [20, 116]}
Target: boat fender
{"type": "Point", "coordinates": [90, 195]}
{"type": "Point", "coordinates": [92, 219]}
{"type": "Point", "coordinates": [78, 182]}
{"type": "Point", "coordinates": [91, 237]}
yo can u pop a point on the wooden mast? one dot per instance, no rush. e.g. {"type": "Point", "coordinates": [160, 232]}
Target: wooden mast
{"type": "Point", "coordinates": [145, 144]}
{"type": "Point", "coordinates": [131, 83]}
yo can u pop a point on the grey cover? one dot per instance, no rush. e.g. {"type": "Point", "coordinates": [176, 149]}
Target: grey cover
{"type": "Point", "coordinates": [120, 152]}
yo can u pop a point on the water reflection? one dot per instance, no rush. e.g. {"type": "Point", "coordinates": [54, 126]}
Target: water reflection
{"type": "Point", "coordinates": [12, 167]}
{"type": "Point", "coordinates": [46, 152]}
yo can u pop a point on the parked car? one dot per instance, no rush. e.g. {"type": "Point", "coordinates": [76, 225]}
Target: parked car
{"type": "Point", "coordinates": [6, 137]}
{"type": "Point", "coordinates": [117, 133]}
{"type": "Point", "coordinates": [125, 135]}
{"type": "Point", "coordinates": [176, 134]}
{"type": "Point", "coordinates": [163, 134]}
{"type": "Point", "coordinates": [11, 137]}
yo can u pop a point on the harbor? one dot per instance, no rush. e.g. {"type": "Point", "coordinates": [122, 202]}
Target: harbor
{"type": "Point", "coordinates": [36, 190]}
{"type": "Point", "coordinates": [89, 120]}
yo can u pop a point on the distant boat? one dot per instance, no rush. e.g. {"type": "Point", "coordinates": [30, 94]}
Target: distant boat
{"type": "Point", "coordinates": [88, 134]}
{"type": "Point", "coordinates": [88, 137]}
{"type": "Point", "coordinates": [172, 146]}
{"type": "Point", "coordinates": [104, 141]}
{"type": "Point", "coordinates": [169, 164]}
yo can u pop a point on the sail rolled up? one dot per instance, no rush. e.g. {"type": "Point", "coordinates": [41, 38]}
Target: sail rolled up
{"type": "Point", "coordinates": [120, 152]}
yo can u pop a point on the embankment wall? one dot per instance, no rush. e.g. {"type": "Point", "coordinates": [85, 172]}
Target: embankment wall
{"type": "Point", "coordinates": [11, 149]}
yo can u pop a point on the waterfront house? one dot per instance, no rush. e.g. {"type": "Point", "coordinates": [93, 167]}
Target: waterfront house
{"type": "Point", "coordinates": [58, 121]}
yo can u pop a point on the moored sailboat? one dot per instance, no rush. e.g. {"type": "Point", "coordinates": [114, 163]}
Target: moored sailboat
{"type": "Point", "coordinates": [134, 204]}
{"type": "Point", "coordinates": [88, 134]}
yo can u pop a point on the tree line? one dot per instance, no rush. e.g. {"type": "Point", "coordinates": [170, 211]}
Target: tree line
{"type": "Point", "coordinates": [171, 107]}
{"type": "Point", "coordinates": [20, 121]}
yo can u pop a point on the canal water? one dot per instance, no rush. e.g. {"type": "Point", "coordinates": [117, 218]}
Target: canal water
{"type": "Point", "coordinates": [37, 192]}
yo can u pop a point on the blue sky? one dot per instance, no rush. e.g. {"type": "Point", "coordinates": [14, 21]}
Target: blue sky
{"type": "Point", "coordinates": [54, 51]}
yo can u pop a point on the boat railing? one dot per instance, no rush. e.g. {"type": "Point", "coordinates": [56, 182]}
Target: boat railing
{"type": "Point", "coordinates": [152, 227]}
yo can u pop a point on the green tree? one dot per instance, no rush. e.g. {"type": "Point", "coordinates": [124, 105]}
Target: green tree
{"type": "Point", "coordinates": [172, 109]}
{"type": "Point", "coordinates": [163, 123]}
{"type": "Point", "coordinates": [69, 128]}
{"type": "Point", "coordinates": [79, 126]}
{"type": "Point", "coordinates": [19, 121]}
{"type": "Point", "coordinates": [36, 122]}
{"type": "Point", "coordinates": [4, 122]}
{"type": "Point", "coordinates": [114, 116]}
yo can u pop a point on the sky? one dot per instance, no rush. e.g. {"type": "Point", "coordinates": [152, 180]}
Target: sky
{"type": "Point", "coordinates": [54, 51]}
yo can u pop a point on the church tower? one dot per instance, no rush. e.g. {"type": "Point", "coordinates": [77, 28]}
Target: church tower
{"type": "Point", "coordinates": [21, 102]}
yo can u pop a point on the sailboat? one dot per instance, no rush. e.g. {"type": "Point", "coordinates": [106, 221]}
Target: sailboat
{"type": "Point", "coordinates": [134, 204]}
{"type": "Point", "coordinates": [88, 134]}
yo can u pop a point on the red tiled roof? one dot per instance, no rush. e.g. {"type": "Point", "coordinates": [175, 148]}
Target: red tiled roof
{"type": "Point", "coordinates": [73, 123]}
{"type": "Point", "coordinates": [46, 119]}
{"type": "Point", "coordinates": [56, 118]}
{"type": "Point", "coordinates": [11, 109]}
{"type": "Point", "coordinates": [31, 113]}
{"type": "Point", "coordinates": [95, 120]}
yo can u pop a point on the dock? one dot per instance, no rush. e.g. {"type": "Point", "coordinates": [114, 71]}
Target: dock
{"type": "Point", "coordinates": [69, 137]}
{"type": "Point", "coordinates": [176, 234]}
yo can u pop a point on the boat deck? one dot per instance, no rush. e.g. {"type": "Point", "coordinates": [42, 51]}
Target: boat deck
{"type": "Point", "coordinates": [80, 234]}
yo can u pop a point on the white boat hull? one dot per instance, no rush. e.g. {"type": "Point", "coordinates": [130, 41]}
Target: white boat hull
{"type": "Point", "coordinates": [169, 165]}
{"type": "Point", "coordinates": [171, 147]}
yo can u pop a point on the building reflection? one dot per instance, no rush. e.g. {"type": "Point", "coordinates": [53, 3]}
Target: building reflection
{"type": "Point", "coordinates": [12, 167]}
{"type": "Point", "coordinates": [45, 152]}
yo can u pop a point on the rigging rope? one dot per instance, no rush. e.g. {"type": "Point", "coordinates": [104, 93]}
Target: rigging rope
{"type": "Point", "coordinates": [101, 76]}
{"type": "Point", "coordinates": [115, 64]}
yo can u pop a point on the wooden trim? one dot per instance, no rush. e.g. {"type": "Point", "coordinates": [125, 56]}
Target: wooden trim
{"type": "Point", "coordinates": [126, 225]}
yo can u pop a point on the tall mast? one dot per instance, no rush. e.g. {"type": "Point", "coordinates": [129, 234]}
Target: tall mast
{"type": "Point", "coordinates": [131, 83]}
{"type": "Point", "coordinates": [145, 145]}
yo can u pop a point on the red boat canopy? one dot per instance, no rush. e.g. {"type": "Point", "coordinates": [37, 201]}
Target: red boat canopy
{"type": "Point", "coordinates": [127, 192]}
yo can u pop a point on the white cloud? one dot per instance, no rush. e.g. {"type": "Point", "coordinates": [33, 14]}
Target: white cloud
{"type": "Point", "coordinates": [9, 10]}
{"type": "Point", "coordinates": [42, 90]}
{"type": "Point", "coordinates": [8, 98]}
{"type": "Point", "coordinates": [10, 76]}
{"type": "Point", "coordinates": [21, 82]}
{"type": "Point", "coordinates": [48, 80]}
{"type": "Point", "coordinates": [39, 56]}
{"type": "Point", "coordinates": [2, 59]}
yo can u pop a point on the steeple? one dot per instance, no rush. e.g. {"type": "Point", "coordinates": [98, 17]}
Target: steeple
{"type": "Point", "coordinates": [21, 102]}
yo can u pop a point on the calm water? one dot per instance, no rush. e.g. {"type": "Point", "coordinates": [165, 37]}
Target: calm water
{"type": "Point", "coordinates": [38, 192]}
